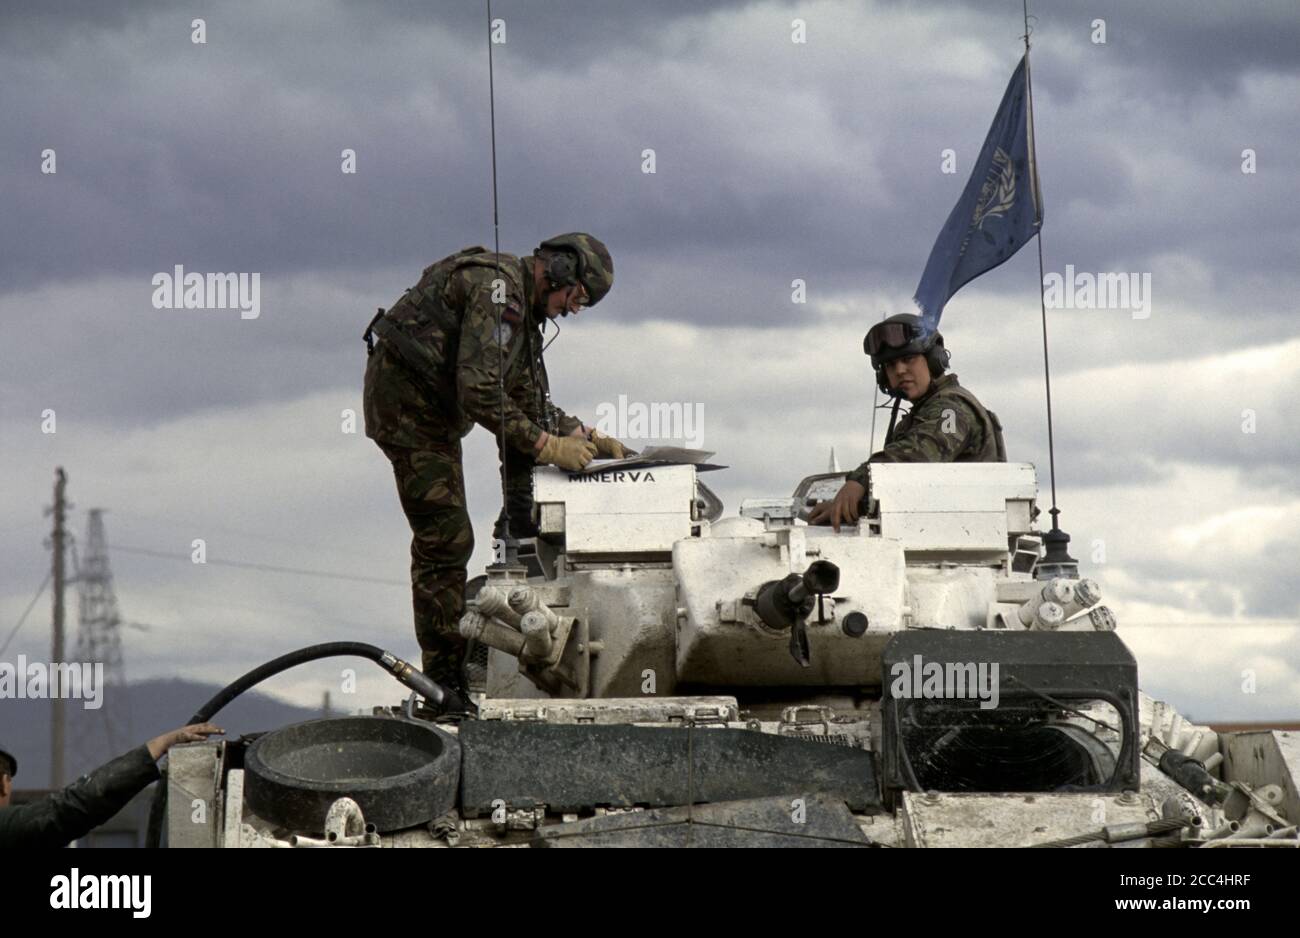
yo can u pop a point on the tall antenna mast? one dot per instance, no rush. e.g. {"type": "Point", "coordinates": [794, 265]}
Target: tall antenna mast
{"type": "Point", "coordinates": [509, 546]}
{"type": "Point", "coordinates": [1057, 560]}
{"type": "Point", "coordinates": [492, 118]}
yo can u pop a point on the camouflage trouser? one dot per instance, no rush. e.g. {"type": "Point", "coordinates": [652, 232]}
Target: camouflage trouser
{"type": "Point", "coordinates": [517, 479]}
{"type": "Point", "coordinates": [431, 486]}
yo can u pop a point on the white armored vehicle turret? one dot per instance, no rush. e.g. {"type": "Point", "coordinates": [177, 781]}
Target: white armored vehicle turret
{"type": "Point", "coordinates": [658, 675]}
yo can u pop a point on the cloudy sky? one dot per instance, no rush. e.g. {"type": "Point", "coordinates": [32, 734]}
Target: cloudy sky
{"type": "Point", "coordinates": [1177, 434]}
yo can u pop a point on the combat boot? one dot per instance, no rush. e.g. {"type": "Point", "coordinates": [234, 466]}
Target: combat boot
{"type": "Point", "coordinates": [458, 704]}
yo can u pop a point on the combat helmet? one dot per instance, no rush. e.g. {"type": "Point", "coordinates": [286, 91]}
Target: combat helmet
{"type": "Point", "coordinates": [901, 335]}
{"type": "Point", "coordinates": [577, 257]}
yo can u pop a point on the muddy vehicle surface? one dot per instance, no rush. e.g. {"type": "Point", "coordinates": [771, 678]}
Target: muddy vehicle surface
{"type": "Point", "coordinates": [652, 673]}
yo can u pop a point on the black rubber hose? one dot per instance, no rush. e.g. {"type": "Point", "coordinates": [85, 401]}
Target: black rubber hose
{"type": "Point", "coordinates": [1192, 775]}
{"type": "Point", "coordinates": [409, 675]}
{"type": "Point", "coordinates": [302, 656]}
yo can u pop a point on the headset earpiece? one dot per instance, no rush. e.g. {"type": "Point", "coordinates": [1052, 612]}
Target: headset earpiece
{"type": "Point", "coordinates": [562, 268]}
{"type": "Point", "coordinates": [937, 358]}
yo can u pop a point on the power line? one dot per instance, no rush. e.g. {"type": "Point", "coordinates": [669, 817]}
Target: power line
{"type": "Point", "coordinates": [191, 598]}
{"type": "Point", "coordinates": [208, 526]}
{"type": "Point", "coordinates": [201, 599]}
{"type": "Point", "coordinates": [288, 618]}
{"type": "Point", "coordinates": [23, 618]}
{"type": "Point", "coordinates": [268, 568]}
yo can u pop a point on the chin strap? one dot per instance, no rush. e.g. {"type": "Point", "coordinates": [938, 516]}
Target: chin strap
{"type": "Point", "coordinates": [893, 418]}
{"type": "Point", "coordinates": [552, 338]}
{"type": "Point", "coordinates": [552, 286]}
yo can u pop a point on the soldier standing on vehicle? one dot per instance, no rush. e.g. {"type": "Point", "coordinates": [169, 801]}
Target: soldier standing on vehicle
{"type": "Point", "coordinates": [947, 423]}
{"type": "Point", "coordinates": [463, 346]}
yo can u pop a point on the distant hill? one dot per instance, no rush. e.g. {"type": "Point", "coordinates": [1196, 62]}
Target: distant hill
{"type": "Point", "coordinates": [153, 706]}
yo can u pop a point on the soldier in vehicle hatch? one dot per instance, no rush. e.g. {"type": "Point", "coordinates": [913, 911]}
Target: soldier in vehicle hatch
{"type": "Point", "coordinates": [463, 346]}
{"type": "Point", "coordinates": [946, 423]}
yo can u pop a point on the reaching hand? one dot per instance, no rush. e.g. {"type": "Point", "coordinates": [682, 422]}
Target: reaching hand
{"type": "Point", "coordinates": [194, 733]}
{"type": "Point", "coordinates": [609, 447]}
{"type": "Point", "coordinates": [568, 452]}
{"type": "Point", "coordinates": [843, 509]}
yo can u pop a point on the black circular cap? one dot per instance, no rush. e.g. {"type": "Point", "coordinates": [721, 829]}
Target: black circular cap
{"type": "Point", "coordinates": [855, 624]}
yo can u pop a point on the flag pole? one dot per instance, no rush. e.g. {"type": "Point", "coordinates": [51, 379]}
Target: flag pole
{"type": "Point", "coordinates": [1056, 560]}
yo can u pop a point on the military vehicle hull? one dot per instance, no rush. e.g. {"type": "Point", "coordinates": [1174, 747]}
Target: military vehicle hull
{"type": "Point", "coordinates": [658, 676]}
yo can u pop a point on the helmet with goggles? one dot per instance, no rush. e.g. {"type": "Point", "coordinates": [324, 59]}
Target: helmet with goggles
{"type": "Point", "coordinates": [899, 336]}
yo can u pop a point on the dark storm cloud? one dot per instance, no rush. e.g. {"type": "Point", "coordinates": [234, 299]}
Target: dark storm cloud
{"type": "Point", "coordinates": [1194, 47]}
{"type": "Point", "coordinates": [775, 162]}
{"type": "Point", "coordinates": [227, 154]}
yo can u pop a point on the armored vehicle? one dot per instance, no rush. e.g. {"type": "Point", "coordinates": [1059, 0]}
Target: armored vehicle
{"type": "Point", "coordinates": [656, 674]}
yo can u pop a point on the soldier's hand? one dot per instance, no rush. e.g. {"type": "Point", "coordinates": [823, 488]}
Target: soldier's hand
{"type": "Point", "coordinates": [821, 513]}
{"type": "Point", "coordinates": [609, 447]}
{"type": "Point", "coordinates": [843, 509]}
{"type": "Point", "coordinates": [194, 733]}
{"type": "Point", "coordinates": [568, 452]}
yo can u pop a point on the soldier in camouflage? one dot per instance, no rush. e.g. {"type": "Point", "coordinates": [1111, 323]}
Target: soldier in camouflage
{"type": "Point", "coordinates": [463, 346]}
{"type": "Point", "coordinates": [946, 423]}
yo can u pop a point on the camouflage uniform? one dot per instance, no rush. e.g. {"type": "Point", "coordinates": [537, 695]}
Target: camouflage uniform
{"type": "Point", "coordinates": [435, 373]}
{"type": "Point", "coordinates": [947, 424]}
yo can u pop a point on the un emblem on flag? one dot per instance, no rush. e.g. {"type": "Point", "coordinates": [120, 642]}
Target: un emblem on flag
{"type": "Point", "coordinates": [997, 196]}
{"type": "Point", "coordinates": [998, 193]}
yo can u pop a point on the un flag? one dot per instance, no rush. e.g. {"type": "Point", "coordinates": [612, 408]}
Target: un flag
{"type": "Point", "coordinates": [1000, 209]}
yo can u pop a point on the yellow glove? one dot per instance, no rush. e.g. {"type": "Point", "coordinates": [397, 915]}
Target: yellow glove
{"type": "Point", "coordinates": [567, 452]}
{"type": "Point", "coordinates": [609, 447]}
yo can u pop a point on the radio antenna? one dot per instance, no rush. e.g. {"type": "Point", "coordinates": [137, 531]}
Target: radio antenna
{"type": "Point", "coordinates": [1056, 560]}
{"type": "Point", "coordinates": [509, 546]}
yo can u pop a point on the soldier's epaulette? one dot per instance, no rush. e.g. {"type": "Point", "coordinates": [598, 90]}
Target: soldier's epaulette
{"type": "Point", "coordinates": [504, 265]}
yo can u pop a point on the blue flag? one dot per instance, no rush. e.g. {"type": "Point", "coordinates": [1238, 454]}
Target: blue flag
{"type": "Point", "coordinates": [1000, 209]}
